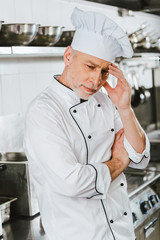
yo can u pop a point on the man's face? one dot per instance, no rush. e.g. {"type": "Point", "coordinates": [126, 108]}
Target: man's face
{"type": "Point", "coordinates": [86, 74]}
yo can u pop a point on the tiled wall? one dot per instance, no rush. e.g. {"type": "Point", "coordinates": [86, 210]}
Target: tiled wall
{"type": "Point", "coordinates": [21, 79]}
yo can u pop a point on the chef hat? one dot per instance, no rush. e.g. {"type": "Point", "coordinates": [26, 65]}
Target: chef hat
{"type": "Point", "coordinates": [99, 36]}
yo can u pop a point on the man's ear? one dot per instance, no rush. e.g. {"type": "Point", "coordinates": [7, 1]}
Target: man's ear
{"type": "Point", "coordinates": [67, 55]}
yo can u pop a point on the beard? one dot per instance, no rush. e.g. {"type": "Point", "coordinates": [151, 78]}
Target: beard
{"type": "Point", "coordinates": [82, 94]}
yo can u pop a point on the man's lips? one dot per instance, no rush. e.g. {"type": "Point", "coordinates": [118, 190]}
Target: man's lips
{"type": "Point", "coordinates": [90, 90]}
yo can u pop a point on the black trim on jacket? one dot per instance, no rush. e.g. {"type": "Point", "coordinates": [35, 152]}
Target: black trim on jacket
{"type": "Point", "coordinates": [98, 193]}
{"type": "Point", "coordinates": [139, 161]}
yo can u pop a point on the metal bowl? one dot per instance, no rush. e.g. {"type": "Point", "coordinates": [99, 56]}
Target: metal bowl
{"type": "Point", "coordinates": [47, 36]}
{"type": "Point", "coordinates": [66, 39]}
{"type": "Point", "coordinates": [5, 203]}
{"type": "Point", "coordinates": [17, 34]}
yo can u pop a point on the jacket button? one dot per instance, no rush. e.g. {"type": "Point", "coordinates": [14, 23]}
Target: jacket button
{"type": "Point", "coordinates": [125, 213]}
{"type": "Point", "coordinates": [122, 184]}
{"type": "Point", "coordinates": [74, 110]}
{"type": "Point", "coordinates": [99, 105]}
{"type": "Point", "coordinates": [111, 221]}
{"type": "Point", "coordinates": [112, 130]}
{"type": "Point", "coordinates": [89, 137]}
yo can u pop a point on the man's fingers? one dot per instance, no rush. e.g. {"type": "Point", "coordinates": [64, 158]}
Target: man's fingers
{"type": "Point", "coordinates": [119, 134]}
{"type": "Point", "coordinates": [113, 65]}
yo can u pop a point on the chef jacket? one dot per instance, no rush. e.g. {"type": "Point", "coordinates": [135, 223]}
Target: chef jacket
{"type": "Point", "coordinates": [66, 142]}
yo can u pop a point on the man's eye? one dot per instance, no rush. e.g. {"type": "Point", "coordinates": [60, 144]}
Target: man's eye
{"type": "Point", "coordinates": [90, 66]}
{"type": "Point", "coordinates": [105, 72]}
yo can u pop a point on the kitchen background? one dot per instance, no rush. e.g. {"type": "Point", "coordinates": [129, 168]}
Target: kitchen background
{"type": "Point", "coordinates": [22, 77]}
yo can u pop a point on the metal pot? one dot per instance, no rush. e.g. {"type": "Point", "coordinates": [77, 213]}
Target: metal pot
{"type": "Point", "coordinates": [138, 35]}
{"type": "Point", "coordinates": [2, 167]}
{"type": "Point", "coordinates": [66, 39]}
{"type": "Point", "coordinates": [47, 36]}
{"type": "Point", "coordinates": [146, 43]}
{"type": "Point", "coordinates": [156, 44]}
{"type": "Point", "coordinates": [139, 94]}
{"type": "Point", "coordinates": [17, 34]}
{"type": "Point", "coordinates": [1, 24]}
{"type": "Point", "coordinates": [13, 156]}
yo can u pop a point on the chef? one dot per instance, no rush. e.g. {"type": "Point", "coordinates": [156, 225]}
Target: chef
{"type": "Point", "coordinates": [79, 140]}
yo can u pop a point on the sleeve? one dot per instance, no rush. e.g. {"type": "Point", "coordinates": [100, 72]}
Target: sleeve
{"type": "Point", "coordinates": [137, 160]}
{"type": "Point", "coordinates": [49, 151]}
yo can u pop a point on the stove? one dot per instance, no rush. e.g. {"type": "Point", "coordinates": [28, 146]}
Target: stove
{"type": "Point", "coordinates": [144, 193]}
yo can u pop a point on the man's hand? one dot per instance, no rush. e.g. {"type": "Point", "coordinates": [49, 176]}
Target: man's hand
{"type": "Point", "coordinates": [120, 159]}
{"type": "Point", "coordinates": [121, 94]}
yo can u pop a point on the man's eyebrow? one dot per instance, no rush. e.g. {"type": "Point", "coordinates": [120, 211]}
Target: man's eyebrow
{"type": "Point", "coordinates": [96, 65]}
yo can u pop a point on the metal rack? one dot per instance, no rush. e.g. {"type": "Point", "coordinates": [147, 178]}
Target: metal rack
{"type": "Point", "coordinates": [148, 60]}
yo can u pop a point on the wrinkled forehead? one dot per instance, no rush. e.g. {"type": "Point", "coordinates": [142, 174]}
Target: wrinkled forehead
{"type": "Point", "coordinates": [98, 62]}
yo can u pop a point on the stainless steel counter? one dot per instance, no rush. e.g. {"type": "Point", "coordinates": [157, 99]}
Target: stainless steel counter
{"type": "Point", "coordinates": [23, 229]}
{"type": "Point", "coordinates": [137, 183]}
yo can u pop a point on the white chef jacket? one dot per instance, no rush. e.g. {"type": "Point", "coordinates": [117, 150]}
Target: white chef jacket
{"type": "Point", "coordinates": [66, 143]}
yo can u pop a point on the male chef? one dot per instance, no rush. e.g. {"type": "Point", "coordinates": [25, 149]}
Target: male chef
{"type": "Point", "coordinates": [79, 140]}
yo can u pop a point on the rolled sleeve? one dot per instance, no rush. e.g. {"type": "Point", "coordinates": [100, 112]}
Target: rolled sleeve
{"type": "Point", "coordinates": [138, 160]}
{"type": "Point", "coordinates": [102, 181]}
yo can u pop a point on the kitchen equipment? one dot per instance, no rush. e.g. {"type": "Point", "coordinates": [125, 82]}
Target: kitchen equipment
{"type": "Point", "coordinates": [156, 44]}
{"type": "Point", "coordinates": [138, 35]}
{"type": "Point", "coordinates": [146, 43]}
{"type": "Point", "coordinates": [1, 228]}
{"type": "Point", "coordinates": [144, 192]}
{"type": "Point", "coordinates": [17, 34]}
{"type": "Point", "coordinates": [146, 216]}
{"type": "Point", "coordinates": [1, 24]}
{"type": "Point", "coordinates": [154, 138]}
{"type": "Point", "coordinates": [2, 167]}
{"type": "Point", "coordinates": [16, 181]}
{"type": "Point", "coordinates": [135, 5]}
{"type": "Point", "coordinates": [66, 39]}
{"type": "Point", "coordinates": [13, 156]}
{"type": "Point", "coordinates": [47, 36]}
{"type": "Point", "coordinates": [5, 204]}
{"type": "Point", "coordinates": [139, 93]}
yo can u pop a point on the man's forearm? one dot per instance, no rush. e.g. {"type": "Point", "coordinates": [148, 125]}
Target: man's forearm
{"type": "Point", "coordinates": [116, 167]}
{"type": "Point", "coordinates": [132, 129]}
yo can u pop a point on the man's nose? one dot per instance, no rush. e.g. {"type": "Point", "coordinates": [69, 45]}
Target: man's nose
{"type": "Point", "coordinates": [96, 79]}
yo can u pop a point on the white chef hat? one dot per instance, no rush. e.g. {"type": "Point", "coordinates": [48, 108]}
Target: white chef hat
{"type": "Point", "coordinates": [99, 36]}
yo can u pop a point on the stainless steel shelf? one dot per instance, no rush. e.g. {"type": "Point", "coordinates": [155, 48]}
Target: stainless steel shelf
{"type": "Point", "coordinates": [29, 51]}
{"type": "Point", "coordinates": [152, 56]}
{"type": "Point", "coordinates": [25, 51]}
